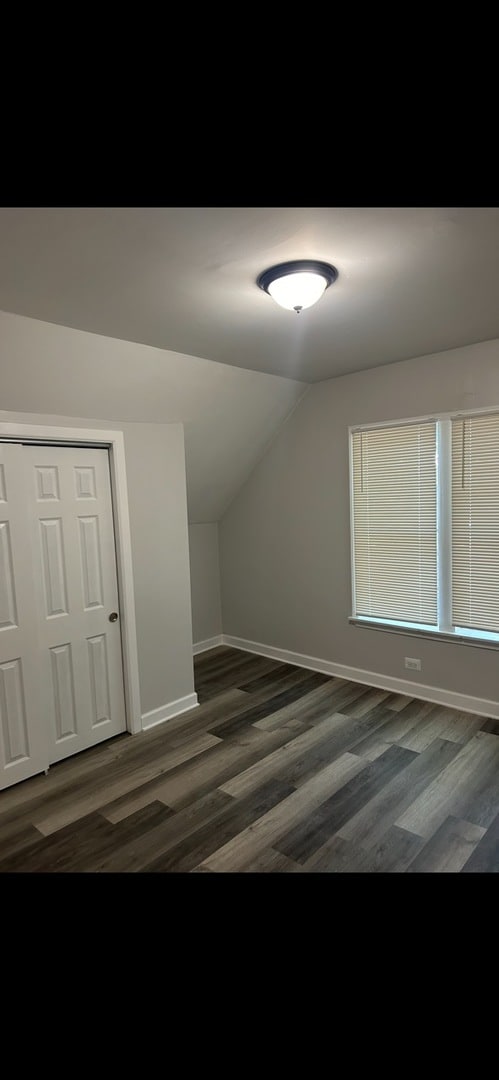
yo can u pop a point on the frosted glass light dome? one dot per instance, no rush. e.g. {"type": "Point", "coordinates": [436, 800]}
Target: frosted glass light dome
{"type": "Point", "coordinates": [297, 291]}
{"type": "Point", "coordinates": [297, 285]}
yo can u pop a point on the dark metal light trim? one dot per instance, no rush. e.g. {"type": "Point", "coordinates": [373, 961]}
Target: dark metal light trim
{"type": "Point", "coordinates": [299, 266]}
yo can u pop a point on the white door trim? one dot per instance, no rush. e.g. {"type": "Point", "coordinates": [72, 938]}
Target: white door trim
{"type": "Point", "coordinates": [114, 441]}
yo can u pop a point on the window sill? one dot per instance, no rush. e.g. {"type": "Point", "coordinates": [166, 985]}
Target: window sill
{"type": "Point", "coordinates": [430, 635]}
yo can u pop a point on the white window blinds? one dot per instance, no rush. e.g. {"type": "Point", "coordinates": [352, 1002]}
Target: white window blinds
{"type": "Point", "coordinates": [394, 512]}
{"type": "Point", "coordinates": [475, 522]}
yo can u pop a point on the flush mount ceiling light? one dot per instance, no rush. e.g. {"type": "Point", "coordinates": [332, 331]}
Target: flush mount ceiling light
{"type": "Point", "coordinates": [297, 285]}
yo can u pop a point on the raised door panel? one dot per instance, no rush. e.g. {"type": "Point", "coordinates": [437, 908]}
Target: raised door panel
{"type": "Point", "coordinates": [99, 680]}
{"type": "Point", "coordinates": [91, 562]}
{"type": "Point", "coordinates": [53, 567]}
{"type": "Point", "coordinates": [63, 691]}
{"type": "Point", "coordinates": [13, 712]}
{"type": "Point", "coordinates": [8, 611]}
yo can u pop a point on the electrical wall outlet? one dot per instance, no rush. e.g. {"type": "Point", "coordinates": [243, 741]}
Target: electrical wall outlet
{"type": "Point", "coordinates": [412, 663]}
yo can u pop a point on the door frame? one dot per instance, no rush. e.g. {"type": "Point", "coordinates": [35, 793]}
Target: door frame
{"type": "Point", "coordinates": [114, 443]}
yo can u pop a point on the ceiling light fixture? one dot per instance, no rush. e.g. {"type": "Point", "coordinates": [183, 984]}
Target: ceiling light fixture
{"type": "Point", "coordinates": [297, 285]}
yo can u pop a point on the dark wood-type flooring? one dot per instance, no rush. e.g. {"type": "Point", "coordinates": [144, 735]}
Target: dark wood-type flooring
{"type": "Point", "coordinates": [279, 770]}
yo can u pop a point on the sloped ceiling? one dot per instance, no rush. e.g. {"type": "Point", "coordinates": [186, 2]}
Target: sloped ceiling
{"type": "Point", "coordinates": [412, 280]}
{"type": "Point", "coordinates": [229, 414]}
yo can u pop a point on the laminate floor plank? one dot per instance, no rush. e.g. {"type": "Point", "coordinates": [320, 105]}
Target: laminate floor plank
{"type": "Point", "coordinates": [84, 859]}
{"type": "Point", "coordinates": [370, 823]}
{"type": "Point", "coordinates": [61, 792]}
{"type": "Point", "coordinates": [135, 855]}
{"type": "Point", "coordinates": [196, 778]}
{"type": "Point", "coordinates": [333, 856]}
{"type": "Point", "coordinates": [53, 851]}
{"type": "Point", "coordinates": [362, 702]}
{"type": "Point", "coordinates": [225, 706]}
{"type": "Point", "coordinates": [132, 801]}
{"type": "Point", "coordinates": [228, 704]}
{"type": "Point", "coordinates": [270, 680]}
{"type": "Point", "coordinates": [472, 775]}
{"type": "Point", "coordinates": [300, 759]}
{"type": "Point", "coordinates": [264, 708]}
{"type": "Point", "coordinates": [395, 727]}
{"type": "Point", "coordinates": [20, 837]}
{"type": "Point", "coordinates": [335, 743]}
{"type": "Point", "coordinates": [259, 683]}
{"type": "Point", "coordinates": [392, 854]}
{"type": "Point", "coordinates": [479, 805]}
{"type": "Point", "coordinates": [413, 713]}
{"type": "Point", "coordinates": [277, 763]}
{"type": "Point", "coordinates": [375, 717]}
{"type": "Point", "coordinates": [211, 657]}
{"type": "Point", "coordinates": [485, 857]}
{"type": "Point", "coordinates": [59, 777]}
{"type": "Point", "coordinates": [366, 703]}
{"type": "Point", "coordinates": [238, 671]}
{"type": "Point", "coordinates": [449, 848]}
{"type": "Point", "coordinates": [218, 660]}
{"type": "Point", "coordinates": [311, 707]}
{"type": "Point", "coordinates": [225, 656]}
{"type": "Point", "coordinates": [295, 678]}
{"type": "Point", "coordinates": [252, 736]}
{"type": "Point", "coordinates": [268, 829]}
{"type": "Point", "coordinates": [308, 835]}
{"type": "Point", "coordinates": [398, 702]}
{"type": "Point", "coordinates": [271, 861]}
{"type": "Point", "coordinates": [237, 816]}
{"type": "Point", "coordinates": [78, 845]}
{"type": "Point", "coordinates": [491, 726]}
{"type": "Point", "coordinates": [345, 695]}
{"type": "Point", "coordinates": [71, 808]}
{"type": "Point", "coordinates": [441, 723]}
{"type": "Point", "coordinates": [132, 830]}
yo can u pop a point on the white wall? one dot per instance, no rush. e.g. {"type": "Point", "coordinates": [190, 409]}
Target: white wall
{"type": "Point", "coordinates": [155, 467]}
{"type": "Point", "coordinates": [285, 540]}
{"type": "Point", "coordinates": [205, 582]}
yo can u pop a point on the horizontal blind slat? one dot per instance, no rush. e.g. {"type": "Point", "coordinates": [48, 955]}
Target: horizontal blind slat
{"type": "Point", "coordinates": [475, 522]}
{"type": "Point", "coordinates": [394, 495]}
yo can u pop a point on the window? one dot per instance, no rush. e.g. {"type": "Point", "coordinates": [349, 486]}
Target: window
{"type": "Point", "coordinates": [425, 525]}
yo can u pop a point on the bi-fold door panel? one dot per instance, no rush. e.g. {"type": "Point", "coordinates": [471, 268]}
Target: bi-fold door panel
{"type": "Point", "coordinates": [69, 498]}
{"type": "Point", "coordinates": [61, 673]}
{"type": "Point", "coordinates": [23, 748]}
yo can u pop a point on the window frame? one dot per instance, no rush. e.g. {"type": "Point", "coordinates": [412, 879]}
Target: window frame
{"type": "Point", "coordinates": [444, 630]}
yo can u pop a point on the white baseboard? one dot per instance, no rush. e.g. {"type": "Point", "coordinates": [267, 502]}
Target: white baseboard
{"type": "Point", "coordinates": [210, 643]}
{"type": "Point", "coordinates": [166, 712]}
{"type": "Point", "coordinates": [453, 700]}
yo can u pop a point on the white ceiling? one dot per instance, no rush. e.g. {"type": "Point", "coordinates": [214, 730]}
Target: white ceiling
{"type": "Point", "coordinates": [411, 281]}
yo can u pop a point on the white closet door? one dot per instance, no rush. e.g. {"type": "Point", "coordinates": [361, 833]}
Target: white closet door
{"type": "Point", "coordinates": [23, 748]}
{"type": "Point", "coordinates": [69, 501]}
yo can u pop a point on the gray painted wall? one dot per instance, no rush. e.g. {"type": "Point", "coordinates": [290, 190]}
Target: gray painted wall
{"type": "Point", "coordinates": [285, 539]}
{"type": "Point", "coordinates": [229, 414]}
{"type": "Point", "coordinates": [205, 582]}
{"type": "Point", "coordinates": [155, 467]}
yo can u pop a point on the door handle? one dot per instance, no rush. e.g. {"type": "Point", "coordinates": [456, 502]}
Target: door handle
{"type": "Point", "coordinates": [113, 616]}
